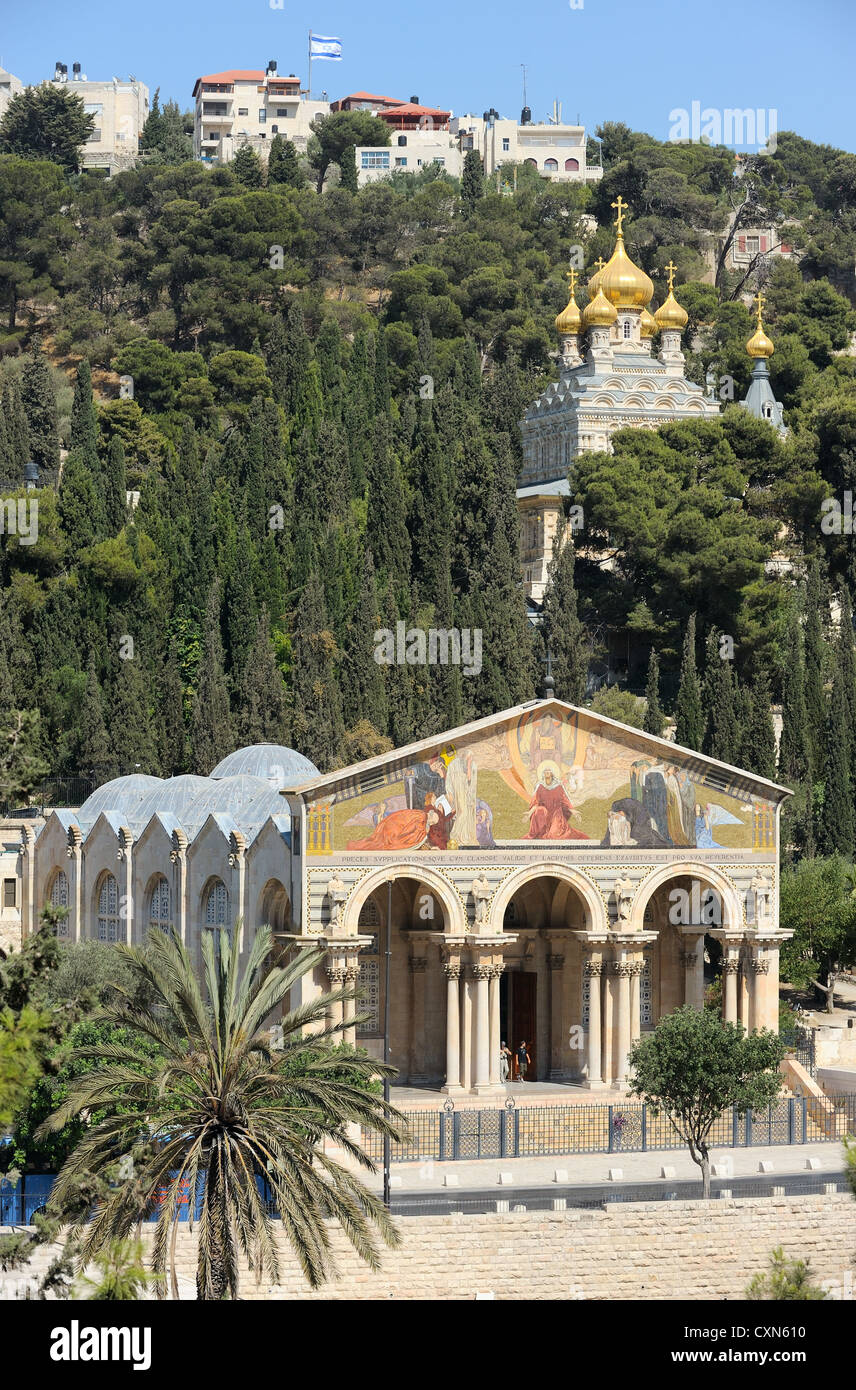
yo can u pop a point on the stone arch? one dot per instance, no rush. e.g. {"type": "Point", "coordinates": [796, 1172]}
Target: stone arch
{"type": "Point", "coordinates": [58, 894]}
{"type": "Point", "coordinates": [453, 908]}
{"type": "Point", "coordinates": [274, 906]}
{"type": "Point", "coordinates": [708, 874]}
{"type": "Point", "coordinates": [108, 909]}
{"type": "Point", "coordinates": [157, 897]}
{"type": "Point", "coordinates": [595, 909]}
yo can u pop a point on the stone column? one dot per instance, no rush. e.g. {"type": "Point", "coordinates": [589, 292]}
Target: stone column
{"type": "Point", "coordinates": [238, 865]}
{"type": "Point", "coordinates": [467, 1069]}
{"type": "Point", "coordinates": [418, 969]}
{"type": "Point", "coordinates": [453, 1026]}
{"type": "Point", "coordinates": [178, 859]}
{"type": "Point", "coordinates": [352, 975]}
{"type": "Point", "coordinates": [336, 974]}
{"type": "Point", "coordinates": [729, 993]}
{"type": "Point", "coordinates": [636, 969]}
{"type": "Point", "coordinates": [76, 925]}
{"type": "Point", "coordinates": [481, 974]}
{"type": "Point", "coordinates": [28, 880]}
{"type": "Point", "coordinates": [622, 971]}
{"type": "Point", "coordinates": [608, 1054]}
{"type": "Point", "coordinates": [758, 994]}
{"type": "Point", "coordinates": [495, 1040]}
{"type": "Point", "coordinates": [594, 971]}
{"type": "Point", "coordinates": [744, 988]}
{"type": "Point", "coordinates": [692, 959]}
{"type": "Point", "coordinates": [556, 965]}
{"type": "Point", "coordinates": [125, 855]}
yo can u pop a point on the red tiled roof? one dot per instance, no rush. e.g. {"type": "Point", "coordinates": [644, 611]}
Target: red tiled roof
{"type": "Point", "coordinates": [241, 75]}
{"type": "Point", "coordinates": [407, 108]}
{"type": "Point", "coordinates": [371, 96]}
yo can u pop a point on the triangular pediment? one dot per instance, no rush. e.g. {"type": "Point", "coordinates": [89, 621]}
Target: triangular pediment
{"type": "Point", "coordinates": [544, 771]}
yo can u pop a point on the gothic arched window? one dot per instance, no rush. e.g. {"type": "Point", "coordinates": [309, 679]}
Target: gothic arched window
{"type": "Point", "coordinates": [111, 927]}
{"type": "Point", "coordinates": [59, 898]}
{"type": "Point", "coordinates": [160, 906]}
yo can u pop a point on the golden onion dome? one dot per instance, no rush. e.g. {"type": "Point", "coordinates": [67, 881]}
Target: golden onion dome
{"type": "Point", "coordinates": [594, 282]}
{"type": "Point", "coordinates": [670, 315]}
{"type": "Point", "coordinates": [649, 324]}
{"type": "Point", "coordinates": [759, 345]}
{"type": "Point", "coordinates": [599, 313]}
{"type": "Point", "coordinates": [623, 283]}
{"type": "Point", "coordinates": [568, 322]}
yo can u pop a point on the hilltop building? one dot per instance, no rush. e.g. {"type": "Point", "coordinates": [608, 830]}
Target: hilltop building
{"type": "Point", "coordinates": [249, 106]}
{"type": "Point", "coordinates": [121, 109]}
{"type": "Point", "coordinates": [10, 86]}
{"type": "Point", "coordinates": [557, 151]}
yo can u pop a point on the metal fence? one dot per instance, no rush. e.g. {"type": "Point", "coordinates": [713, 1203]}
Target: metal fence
{"type": "Point", "coordinates": [801, 1042]}
{"type": "Point", "coordinates": [539, 1131]}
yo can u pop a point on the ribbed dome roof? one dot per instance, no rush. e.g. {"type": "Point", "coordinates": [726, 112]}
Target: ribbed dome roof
{"type": "Point", "coordinates": [230, 795]}
{"type": "Point", "coordinates": [279, 766]}
{"type": "Point", "coordinates": [623, 283]}
{"type": "Point", "coordinates": [648, 324]}
{"type": "Point", "coordinates": [599, 313]}
{"type": "Point", "coordinates": [173, 796]}
{"type": "Point", "coordinates": [568, 322]}
{"type": "Point", "coordinates": [671, 314]}
{"type": "Point", "coordinates": [123, 795]}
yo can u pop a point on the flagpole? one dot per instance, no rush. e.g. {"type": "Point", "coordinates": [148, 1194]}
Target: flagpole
{"type": "Point", "coordinates": [309, 89]}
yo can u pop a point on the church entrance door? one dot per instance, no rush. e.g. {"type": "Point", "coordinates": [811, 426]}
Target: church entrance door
{"type": "Point", "coordinates": [522, 987]}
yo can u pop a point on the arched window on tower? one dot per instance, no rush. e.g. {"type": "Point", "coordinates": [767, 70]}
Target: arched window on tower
{"type": "Point", "coordinates": [551, 166]}
{"type": "Point", "coordinates": [160, 909]}
{"type": "Point", "coordinates": [111, 926]}
{"type": "Point", "coordinates": [627, 329]}
{"type": "Point", "coordinates": [571, 165]}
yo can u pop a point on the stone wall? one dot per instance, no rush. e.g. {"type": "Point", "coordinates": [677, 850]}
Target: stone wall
{"type": "Point", "coordinates": [644, 1250]}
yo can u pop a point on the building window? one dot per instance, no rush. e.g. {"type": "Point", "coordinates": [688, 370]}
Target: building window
{"type": "Point", "coordinates": [551, 166]}
{"type": "Point", "coordinates": [159, 906]}
{"type": "Point", "coordinates": [401, 163]}
{"type": "Point", "coordinates": [217, 904]}
{"type": "Point", "coordinates": [110, 926]}
{"type": "Point", "coordinates": [275, 129]}
{"type": "Point", "coordinates": [571, 165]}
{"type": "Point", "coordinates": [533, 162]}
{"type": "Point", "coordinates": [374, 159]}
{"type": "Point", "coordinates": [753, 245]}
{"type": "Point", "coordinates": [627, 328]}
{"type": "Point", "coordinates": [283, 111]}
{"type": "Point", "coordinates": [10, 889]}
{"type": "Point", "coordinates": [262, 115]}
{"type": "Point", "coordinates": [59, 898]}
{"type": "Point", "coordinates": [242, 111]}
{"type": "Point", "coordinates": [506, 144]}
{"type": "Point", "coordinates": [369, 981]}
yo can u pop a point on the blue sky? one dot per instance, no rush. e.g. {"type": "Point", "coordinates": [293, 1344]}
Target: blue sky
{"type": "Point", "coordinates": [608, 60]}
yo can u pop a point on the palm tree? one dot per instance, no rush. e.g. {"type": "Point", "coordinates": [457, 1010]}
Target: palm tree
{"type": "Point", "coordinates": [121, 1274]}
{"type": "Point", "coordinates": [226, 1110]}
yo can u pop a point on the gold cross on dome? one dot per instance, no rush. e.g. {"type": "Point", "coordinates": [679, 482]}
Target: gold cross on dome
{"type": "Point", "coordinates": [600, 263]}
{"type": "Point", "coordinates": [759, 303]}
{"type": "Point", "coordinates": [573, 276]}
{"type": "Point", "coordinates": [670, 271]}
{"type": "Point", "coordinates": [621, 208]}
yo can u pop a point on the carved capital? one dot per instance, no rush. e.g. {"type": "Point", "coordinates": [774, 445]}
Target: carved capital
{"type": "Point", "coordinates": [452, 969]}
{"type": "Point", "coordinates": [481, 972]}
{"type": "Point", "coordinates": [760, 967]}
{"type": "Point", "coordinates": [352, 973]}
{"type": "Point", "coordinates": [593, 968]}
{"type": "Point", "coordinates": [635, 969]}
{"type": "Point", "coordinates": [336, 974]}
{"type": "Point", "coordinates": [621, 968]}
{"type": "Point", "coordinates": [689, 958]}
{"type": "Point", "coordinates": [730, 967]}
{"type": "Point", "coordinates": [555, 962]}
{"type": "Point", "coordinates": [418, 964]}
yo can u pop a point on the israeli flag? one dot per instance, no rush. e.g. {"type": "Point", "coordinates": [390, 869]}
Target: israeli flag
{"type": "Point", "coordinates": [325, 48]}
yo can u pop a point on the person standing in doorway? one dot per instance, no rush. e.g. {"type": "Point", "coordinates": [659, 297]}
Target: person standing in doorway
{"type": "Point", "coordinates": [504, 1061]}
{"type": "Point", "coordinates": [523, 1060]}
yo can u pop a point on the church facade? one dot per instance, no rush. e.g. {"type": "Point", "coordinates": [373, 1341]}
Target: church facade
{"type": "Point", "coordinates": [543, 875]}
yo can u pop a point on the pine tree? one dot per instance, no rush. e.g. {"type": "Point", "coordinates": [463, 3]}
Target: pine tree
{"type": "Point", "coordinates": [758, 741]}
{"type": "Point", "coordinates": [211, 734]}
{"type": "Point", "coordinates": [262, 715]}
{"type": "Point", "coordinates": [815, 665]}
{"type": "Point", "coordinates": [348, 169]}
{"type": "Point", "coordinates": [317, 721]}
{"type": "Point", "coordinates": [836, 822]}
{"type": "Point", "coordinates": [721, 737]}
{"type": "Point", "coordinates": [795, 763]}
{"type": "Point", "coordinates": [115, 491]}
{"type": "Point", "coordinates": [472, 182]}
{"type": "Point", "coordinates": [94, 752]}
{"type": "Point", "coordinates": [283, 164]}
{"type": "Point", "coordinates": [562, 632]}
{"type": "Point", "coordinates": [38, 399]}
{"type": "Point", "coordinates": [689, 715]}
{"type": "Point", "coordinates": [248, 168]}
{"type": "Point", "coordinates": [654, 721]}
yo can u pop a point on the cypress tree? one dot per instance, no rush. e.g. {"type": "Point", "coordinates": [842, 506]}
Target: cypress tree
{"type": "Point", "coordinates": [563, 633]}
{"type": "Point", "coordinates": [115, 492]}
{"type": "Point", "coordinates": [472, 182]}
{"type": "Point", "coordinates": [348, 169]}
{"type": "Point", "coordinates": [845, 659]}
{"type": "Point", "coordinates": [386, 525]}
{"type": "Point", "coordinates": [506, 678]}
{"type": "Point", "coordinates": [131, 729]}
{"type": "Point", "coordinates": [399, 681]}
{"type": "Point", "coordinates": [836, 821]}
{"type": "Point", "coordinates": [248, 168]}
{"type": "Point", "coordinates": [80, 508]}
{"type": "Point", "coordinates": [211, 734]}
{"type": "Point", "coordinates": [364, 688]}
{"type": "Point", "coordinates": [721, 737]}
{"type": "Point", "coordinates": [430, 518]}
{"type": "Point", "coordinates": [317, 721]}
{"type": "Point", "coordinates": [288, 353]}
{"type": "Point", "coordinates": [17, 434]}
{"type": "Point", "coordinates": [653, 721]}
{"type": "Point", "coordinates": [815, 665]}
{"type": "Point", "coordinates": [758, 741]}
{"type": "Point", "coordinates": [38, 399]}
{"type": "Point", "coordinates": [795, 763]}
{"type": "Point", "coordinates": [382, 398]}
{"type": "Point", "coordinates": [173, 730]}
{"type": "Point", "coordinates": [689, 715]}
{"type": "Point", "coordinates": [283, 164]}
{"type": "Point", "coordinates": [94, 752]}
{"type": "Point", "coordinates": [262, 715]}
{"type": "Point", "coordinates": [328, 355]}
{"type": "Point", "coordinates": [83, 433]}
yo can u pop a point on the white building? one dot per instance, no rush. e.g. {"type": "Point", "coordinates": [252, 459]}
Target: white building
{"type": "Point", "coordinates": [121, 109]}
{"type": "Point", "coordinates": [10, 86]}
{"type": "Point", "coordinates": [249, 107]}
{"type": "Point", "coordinates": [557, 151]}
{"type": "Point", "coordinates": [409, 152]}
